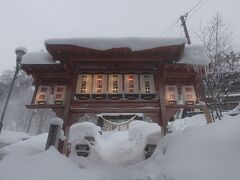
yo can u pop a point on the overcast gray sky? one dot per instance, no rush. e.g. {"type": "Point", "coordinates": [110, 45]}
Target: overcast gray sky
{"type": "Point", "coordinates": [29, 22]}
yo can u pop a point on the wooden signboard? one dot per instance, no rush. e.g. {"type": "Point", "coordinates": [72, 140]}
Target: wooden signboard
{"type": "Point", "coordinates": [99, 89]}
{"type": "Point", "coordinates": [115, 86]}
{"type": "Point", "coordinates": [131, 86]}
{"type": "Point", "coordinates": [171, 94]}
{"type": "Point", "coordinates": [43, 94]}
{"type": "Point", "coordinates": [84, 86]}
{"type": "Point", "coordinates": [189, 95]}
{"type": "Point", "coordinates": [147, 87]}
{"type": "Point", "coordinates": [59, 94]}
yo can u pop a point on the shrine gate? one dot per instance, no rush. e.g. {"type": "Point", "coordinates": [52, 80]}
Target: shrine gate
{"type": "Point", "coordinates": [153, 76]}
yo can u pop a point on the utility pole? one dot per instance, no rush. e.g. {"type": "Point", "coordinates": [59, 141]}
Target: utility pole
{"type": "Point", "coordinates": [183, 20]}
{"type": "Point", "coordinates": [19, 52]}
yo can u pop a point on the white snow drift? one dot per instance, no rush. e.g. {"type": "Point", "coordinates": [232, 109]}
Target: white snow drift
{"type": "Point", "coordinates": [209, 152]}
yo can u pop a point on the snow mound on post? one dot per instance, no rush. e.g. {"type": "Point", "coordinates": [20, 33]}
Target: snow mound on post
{"type": "Point", "coordinates": [56, 121]}
{"type": "Point", "coordinates": [134, 43]}
{"type": "Point", "coordinates": [23, 49]}
{"type": "Point", "coordinates": [80, 130]}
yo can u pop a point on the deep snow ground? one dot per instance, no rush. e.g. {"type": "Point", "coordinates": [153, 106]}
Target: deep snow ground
{"type": "Point", "coordinates": [209, 152]}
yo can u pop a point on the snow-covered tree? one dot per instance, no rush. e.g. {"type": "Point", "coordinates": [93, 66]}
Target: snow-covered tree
{"type": "Point", "coordinates": [222, 74]}
{"type": "Point", "coordinates": [17, 116]}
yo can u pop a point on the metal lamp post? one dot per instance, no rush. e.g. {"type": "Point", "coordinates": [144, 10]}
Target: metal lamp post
{"type": "Point", "coordinates": [19, 52]}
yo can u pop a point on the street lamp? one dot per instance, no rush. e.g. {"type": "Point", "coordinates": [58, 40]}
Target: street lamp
{"type": "Point", "coordinates": [20, 51]}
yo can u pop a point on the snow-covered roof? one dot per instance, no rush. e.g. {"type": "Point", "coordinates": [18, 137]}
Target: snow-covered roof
{"type": "Point", "coordinates": [38, 58]}
{"type": "Point", "coordinates": [194, 54]}
{"type": "Point", "coordinates": [135, 44]}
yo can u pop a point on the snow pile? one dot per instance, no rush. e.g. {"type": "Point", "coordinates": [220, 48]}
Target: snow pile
{"type": "Point", "coordinates": [118, 151]}
{"type": "Point", "coordinates": [140, 130]}
{"type": "Point", "coordinates": [78, 135]}
{"type": "Point", "coordinates": [209, 152]}
{"type": "Point", "coordinates": [183, 124]}
{"type": "Point", "coordinates": [235, 111]}
{"type": "Point", "coordinates": [25, 148]}
{"type": "Point", "coordinates": [9, 137]}
{"type": "Point", "coordinates": [134, 43]}
{"type": "Point", "coordinates": [118, 148]}
{"type": "Point", "coordinates": [48, 165]}
{"type": "Point", "coordinates": [81, 130]}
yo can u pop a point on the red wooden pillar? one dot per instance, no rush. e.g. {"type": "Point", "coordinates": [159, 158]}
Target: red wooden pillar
{"type": "Point", "coordinates": [66, 119]}
{"type": "Point", "coordinates": [161, 88]}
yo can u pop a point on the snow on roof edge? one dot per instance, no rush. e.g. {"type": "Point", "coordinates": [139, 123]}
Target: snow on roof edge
{"type": "Point", "coordinates": [134, 43]}
{"type": "Point", "coordinates": [195, 55]}
{"type": "Point", "coordinates": [40, 57]}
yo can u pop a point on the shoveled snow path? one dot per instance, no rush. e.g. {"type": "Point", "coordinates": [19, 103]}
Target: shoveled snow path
{"type": "Point", "coordinates": [117, 149]}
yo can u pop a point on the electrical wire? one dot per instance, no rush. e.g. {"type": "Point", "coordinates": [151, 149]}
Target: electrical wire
{"type": "Point", "coordinates": [194, 7]}
{"type": "Point", "coordinates": [174, 24]}
{"type": "Point", "coordinates": [171, 27]}
{"type": "Point", "coordinates": [194, 12]}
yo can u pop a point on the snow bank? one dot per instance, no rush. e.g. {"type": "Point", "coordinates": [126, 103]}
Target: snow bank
{"type": "Point", "coordinates": [134, 43]}
{"type": "Point", "coordinates": [140, 130]}
{"type": "Point", "coordinates": [209, 152]}
{"type": "Point", "coordinates": [48, 165]}
{"type": "Point", "coordinates": [235, 111]}
{"type": "Point", "coordinates": [188, 122]}
{"type": "Point", "coordinates": [25, 148]}
{"type": "Point", "coordinates": [9, 137]}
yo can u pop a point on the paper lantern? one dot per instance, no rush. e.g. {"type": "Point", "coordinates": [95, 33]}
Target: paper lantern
{"type": "Point", "coordinates": [171, 94]}
{"type": "Point", "coordinates": [43, 94]}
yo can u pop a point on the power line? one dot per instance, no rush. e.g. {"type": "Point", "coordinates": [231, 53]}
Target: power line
{"type": "Point", "coordinates": [197, 9]}
{"type": "Point", "coordinates": [171, 27]}
{"type": "Point", "coordinates": [194, 7]}
{"type": "Point", "coordinates": [183, 20]}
